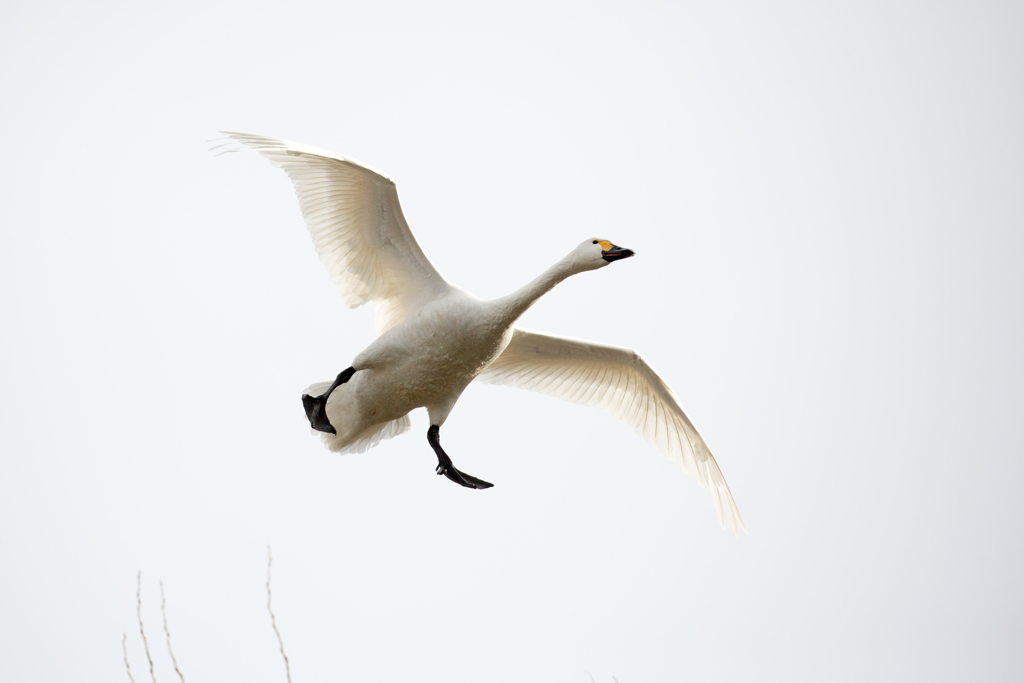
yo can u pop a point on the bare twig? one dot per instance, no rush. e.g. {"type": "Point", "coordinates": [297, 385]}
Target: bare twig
{"type": "Point", "coordinates": [273, 622]}
{"type": "Point", "coordinates": [163, 610]}
{"type": "Point", "coordinates": [124, 648]}
{"type": "Point", "coordinates": [138, 611]}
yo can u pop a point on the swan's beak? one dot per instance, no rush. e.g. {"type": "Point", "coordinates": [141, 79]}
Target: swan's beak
{"type": "Point", "coordinates": [616, 253]}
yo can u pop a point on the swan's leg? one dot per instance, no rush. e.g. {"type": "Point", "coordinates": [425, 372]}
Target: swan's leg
{"type": "Point", "coordinates": [316, 406]}
{"type": "Point", "coordinates": [445, 466]}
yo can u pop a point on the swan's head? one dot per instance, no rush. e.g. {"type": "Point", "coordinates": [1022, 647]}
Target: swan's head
{"type": "Point", "coordinates": [597, 253]}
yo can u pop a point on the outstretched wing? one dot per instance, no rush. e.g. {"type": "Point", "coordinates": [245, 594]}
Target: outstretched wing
{"type": "Point", "coordinates": [358, 229]}
{"type": "Point", "coordinates": [622, 383]}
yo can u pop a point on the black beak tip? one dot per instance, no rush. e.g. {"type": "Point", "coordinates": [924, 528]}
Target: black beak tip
{"type": "Point", "coordinates": [617, 254]}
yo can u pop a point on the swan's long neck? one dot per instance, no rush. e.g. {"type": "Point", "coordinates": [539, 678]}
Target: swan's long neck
{"type": "Point", "coordinates": [517, 303]}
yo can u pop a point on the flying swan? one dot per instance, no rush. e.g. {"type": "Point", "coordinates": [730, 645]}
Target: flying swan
{"type": "Point", "coordinates": [435, 338]}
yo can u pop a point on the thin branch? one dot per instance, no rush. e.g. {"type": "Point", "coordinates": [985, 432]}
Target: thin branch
{"type": "Point", "coordinates": [163, 610]}
{"type": "Point", "coordinates": [138, 611]}
{"type": "Point", "coordinates": [273, 621]}
{"type": "Point", "coordinates": [124, 648]}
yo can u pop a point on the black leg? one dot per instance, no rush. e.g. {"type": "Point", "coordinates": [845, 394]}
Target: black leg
{"type": "Point", "coordinates": [445, 466]}
{"type": "Point", "coordinates": [316, 406]}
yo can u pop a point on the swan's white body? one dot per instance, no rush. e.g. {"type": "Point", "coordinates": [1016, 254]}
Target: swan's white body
{"type": "Point", "coordinates": [427, 361]}
{"type": "Point", "coordinates": [434, 338]}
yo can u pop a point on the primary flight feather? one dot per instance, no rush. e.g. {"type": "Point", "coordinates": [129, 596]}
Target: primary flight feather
{"type": "Point", "coordinates": [435, 338]}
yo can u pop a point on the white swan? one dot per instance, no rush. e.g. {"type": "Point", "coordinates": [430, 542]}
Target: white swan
{"type": "Point", "coordinates": [434, 338]}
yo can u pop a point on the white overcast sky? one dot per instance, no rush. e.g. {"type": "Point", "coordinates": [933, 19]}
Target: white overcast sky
{"type": "Point", "coordinates": [827, 202]}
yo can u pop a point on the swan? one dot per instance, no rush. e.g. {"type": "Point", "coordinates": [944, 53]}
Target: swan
{"type": "Point", "coordinates": [434, 338]}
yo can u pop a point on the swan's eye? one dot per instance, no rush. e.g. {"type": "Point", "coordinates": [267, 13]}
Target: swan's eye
{"type": "Point", "coordinates": [595, 241]}
{"type": "Point", "coordinates": [605, 244]}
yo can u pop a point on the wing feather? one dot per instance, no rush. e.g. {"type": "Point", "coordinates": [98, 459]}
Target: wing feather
{"type": "Point", "coordinates": [358, 229]}
{"type": "Point", "coordinates": [622, 383]}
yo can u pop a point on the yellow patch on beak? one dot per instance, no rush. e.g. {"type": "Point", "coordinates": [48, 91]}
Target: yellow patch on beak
{"type": "Point", "coordinates": [605, 245]}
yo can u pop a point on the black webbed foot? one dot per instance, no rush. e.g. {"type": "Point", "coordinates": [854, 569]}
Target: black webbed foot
{"type": "Point", "coordinates": [445, 466]}
{"type": "Point", "coordinates": [309, 405]}
{"type": "Point", "coordinates": [316, 406]}
{"type": "Point", "coordinates": [316, 413]}
{"type": "Point", "coordinates": [467, 480]}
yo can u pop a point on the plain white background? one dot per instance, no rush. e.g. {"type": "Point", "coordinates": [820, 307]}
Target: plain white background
{"type": "Point", "coordinates": [826, 202]}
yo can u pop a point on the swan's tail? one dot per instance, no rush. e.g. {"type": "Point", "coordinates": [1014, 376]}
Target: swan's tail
{"type": "Point", "coordinates": [369, 438]}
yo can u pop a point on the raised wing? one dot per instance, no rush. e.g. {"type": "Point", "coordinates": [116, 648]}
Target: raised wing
{"type": "Point", "coordinates": [622, 383]}
{"type": "Point", "coordinates": [358, 229]}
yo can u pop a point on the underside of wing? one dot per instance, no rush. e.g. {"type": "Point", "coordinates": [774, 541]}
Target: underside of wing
{"type": "Point", "coordinates": [358, 229]}
{"type": "Point", "coordinates": [622, 383]}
